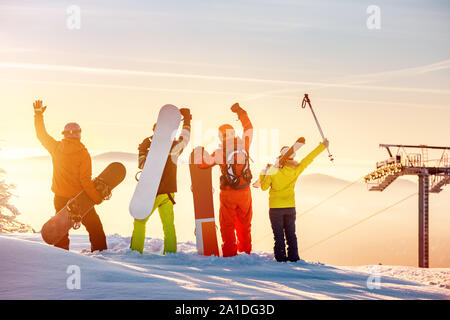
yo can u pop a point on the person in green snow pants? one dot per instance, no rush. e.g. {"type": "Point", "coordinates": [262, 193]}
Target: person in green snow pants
{"type": "Point", "coordinates": [165, 207]}
{"type": "Point", "coordinates": [165, 198]}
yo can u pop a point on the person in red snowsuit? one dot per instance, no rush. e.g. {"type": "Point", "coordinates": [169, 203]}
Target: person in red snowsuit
{"type": "Point", "coordinates": [235, 213]}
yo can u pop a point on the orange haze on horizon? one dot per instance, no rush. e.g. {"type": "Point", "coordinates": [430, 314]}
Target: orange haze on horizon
{"type": "Point", "coordinates": [112, 75]}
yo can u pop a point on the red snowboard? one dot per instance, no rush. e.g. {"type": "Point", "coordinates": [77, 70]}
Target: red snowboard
{"type": "Point", "coordinates": [205, 226]}
{"type": "Point", "coordinates": [70, 216]}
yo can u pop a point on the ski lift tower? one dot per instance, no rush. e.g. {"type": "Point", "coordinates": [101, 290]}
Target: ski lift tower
{"type": "Point", "coordinates": [433, 175]}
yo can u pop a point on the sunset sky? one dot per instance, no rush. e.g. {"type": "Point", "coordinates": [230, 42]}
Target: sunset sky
{"type": "Point", "coordinates": [129, 58]}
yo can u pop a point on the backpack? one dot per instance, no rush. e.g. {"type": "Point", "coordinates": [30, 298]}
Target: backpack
{"type": "Point", "coordinates": [230, 176]}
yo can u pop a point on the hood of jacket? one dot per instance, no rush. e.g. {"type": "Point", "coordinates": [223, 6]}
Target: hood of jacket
{"type": "Point", "coordinates": [291, 164]}
{"type": "Point", "coordinates": [70, 146]}
{"type": "Point", "coordinates": [289, 169]}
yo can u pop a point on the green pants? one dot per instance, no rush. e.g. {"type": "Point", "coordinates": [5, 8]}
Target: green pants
{"type": "Point", "coordinates": [165, 208]}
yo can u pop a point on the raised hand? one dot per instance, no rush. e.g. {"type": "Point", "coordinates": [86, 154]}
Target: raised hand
{"type": "Point", "coordinates": [186, 113]}
{"type": "Point", "coordinates": [38, 108]}
{"type": "Point", "coordinates": [236, 108]}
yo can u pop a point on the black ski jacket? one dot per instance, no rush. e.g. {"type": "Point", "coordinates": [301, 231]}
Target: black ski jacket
{"type": "Point", "coordinates": [168, 182]}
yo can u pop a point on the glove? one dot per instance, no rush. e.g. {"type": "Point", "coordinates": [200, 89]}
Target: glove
{"type": "Point", "coordinates": [38, 108]}
{"type": "Point", "coordinates": [236, 108]}
{"type": "Point", "coordinates": [301, 140]}
{"type": "Point", "coordinates": [186, 113]}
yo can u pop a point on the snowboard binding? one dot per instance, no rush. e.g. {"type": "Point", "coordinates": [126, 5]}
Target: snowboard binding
{"type": "Point", "coordinates": [75, 209]}
{"type": "Point", "coordinates": [74, 214]}
{"type": "Point", "coordinates": [103, 188]}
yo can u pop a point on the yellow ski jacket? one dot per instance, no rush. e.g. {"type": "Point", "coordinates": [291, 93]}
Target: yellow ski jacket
{"type": "Point", "coordinates": [282, 180]}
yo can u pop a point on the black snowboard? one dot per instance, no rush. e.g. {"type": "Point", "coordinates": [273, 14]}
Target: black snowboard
{"type": "Point", "coordinates": [70, 216]}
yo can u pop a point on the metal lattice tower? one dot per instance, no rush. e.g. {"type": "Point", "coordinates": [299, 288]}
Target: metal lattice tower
{"type": "Point", "coordinates": [433, 175]}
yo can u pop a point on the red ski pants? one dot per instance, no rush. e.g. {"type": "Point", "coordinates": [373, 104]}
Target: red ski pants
{"type": "Point", "coordinates": [235, 216]}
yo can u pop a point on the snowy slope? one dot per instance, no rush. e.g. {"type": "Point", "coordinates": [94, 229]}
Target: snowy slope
{"type": "Point", "coordinates": [30, 269]}
{"type": "Point", "coordinates": [439, 277]}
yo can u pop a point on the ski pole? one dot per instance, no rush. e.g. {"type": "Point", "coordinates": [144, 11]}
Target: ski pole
{"type": "Point", "coordinates": [307, 101]}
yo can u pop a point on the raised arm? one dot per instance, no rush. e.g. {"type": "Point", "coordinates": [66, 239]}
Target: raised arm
{"type": "Point", "coordinates": [247, 136]}
{"type": "Point", "coordinates": [46, 140]}
{"type": "Point", "coordinates": [310, 157]}
{"type": "Point", "coordinates": [185, 135]}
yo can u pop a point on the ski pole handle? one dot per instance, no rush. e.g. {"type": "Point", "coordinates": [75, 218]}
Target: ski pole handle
{"type": "Point", "coordinates": [307, 101]}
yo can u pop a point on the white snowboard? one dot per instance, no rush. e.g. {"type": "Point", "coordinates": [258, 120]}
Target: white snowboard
{"type": "Point", "coordinates": [144, 196]}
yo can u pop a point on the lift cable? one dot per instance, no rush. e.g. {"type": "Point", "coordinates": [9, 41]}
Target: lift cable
{"type": "Point", "coordinates": [318, 204]}
{"type": "Point", "coordinates": [329, 197]}
{"type": "Point", "coordinates": [359, 222]}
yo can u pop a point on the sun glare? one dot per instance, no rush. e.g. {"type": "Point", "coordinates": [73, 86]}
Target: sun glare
{"type": "Point", "coordinates": [19, 153]}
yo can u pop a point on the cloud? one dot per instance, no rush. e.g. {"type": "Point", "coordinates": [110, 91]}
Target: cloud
{"type": "Point", "coordinates": [128, 87]}
{"type": "Point", "coordinates": [111, 71]}
{"type": "Point", "coordinates": [357, 81]}
{"type": "Point", "coordinates": [401, 73]}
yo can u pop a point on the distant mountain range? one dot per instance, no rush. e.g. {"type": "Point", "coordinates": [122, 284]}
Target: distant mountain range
{"type": "Point", "coordinates": [107, 156]}
{"type": "Point", "coordinates": [116, 156]}
{"type": "Point", "coordinates": [321, 181]}
{"type": "Point", "coordinates": [318, 178]}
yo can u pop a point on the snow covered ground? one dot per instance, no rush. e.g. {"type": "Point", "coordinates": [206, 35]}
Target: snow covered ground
{"type": "Point", "coordinates": [30, 269]}
{"type": "Point", "coordinates": [439, 277]}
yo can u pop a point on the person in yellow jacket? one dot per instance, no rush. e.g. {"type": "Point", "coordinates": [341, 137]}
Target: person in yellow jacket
{"type": "Point", "coordinates": [281, 181]}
